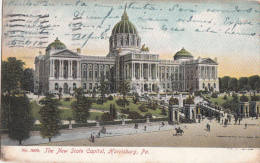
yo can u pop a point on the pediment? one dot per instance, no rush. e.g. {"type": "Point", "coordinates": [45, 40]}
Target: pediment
{"type": "Point", "coordinates": [208, 61]}
{"type": "Point", "coordinates": [65, 53]}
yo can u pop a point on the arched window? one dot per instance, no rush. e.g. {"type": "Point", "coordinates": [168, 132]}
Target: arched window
{"type": "Point", "coordinates": [74, 86]}
{"type": "Point", "coordinates": [203, 85]}
{"type": "Point", "coordinates": [56, 86]}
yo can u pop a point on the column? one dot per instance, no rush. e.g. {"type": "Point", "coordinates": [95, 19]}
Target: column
{"type": "Point", "coordinates": [51, 67]}
{"type": "Point", "coordinates": [149, 71]}
{"type": "Point", "coordinates": [165, 71]}
{"type": "Point", "coordinates": [140, 71]}
{"type": "Point", "coordinates": [134, 70]}
{"type": "Point", "coordinates": [60, 69]}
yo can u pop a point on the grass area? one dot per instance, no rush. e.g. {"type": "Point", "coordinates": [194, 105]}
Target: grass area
{"type": "Point", "coordinates": [220, 99]}
{"type": "Point", "coordinates": [67, 104]}
{"type": "Point", "coordinates": [132, 107]}
{"type": "Point", "coordinates": [35, 110]}
{"type": "Point", "coordinates": [65, 113]}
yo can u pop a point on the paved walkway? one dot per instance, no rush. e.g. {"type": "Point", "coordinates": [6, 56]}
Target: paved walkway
{"type": "Point", "coordinates": [85, 132]}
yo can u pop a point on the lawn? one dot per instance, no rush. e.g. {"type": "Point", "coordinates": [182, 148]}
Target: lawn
{"type": "Point", "coordinates": [220, 100]}
{"type": "Point", "coordinates": [132, 107]}
{"type": "Point", "coordinates": [65, 113]}
{"type": "Point", "coordinates": [66, 110]}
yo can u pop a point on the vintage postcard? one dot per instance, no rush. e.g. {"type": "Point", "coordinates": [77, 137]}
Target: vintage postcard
{"type": "Point", "coordinates": [111, 81]}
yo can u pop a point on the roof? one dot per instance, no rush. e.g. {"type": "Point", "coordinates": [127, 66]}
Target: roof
{"type": "Point", "coordinates": [124, 26]}
{"type": "Point", "coordinates": [183, 53]}
{"type": "Point", "coordinates": [57, 44]}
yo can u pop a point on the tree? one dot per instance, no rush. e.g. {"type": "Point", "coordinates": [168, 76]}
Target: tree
{"type": "Point", "coordinates": [27, 81]}
{"type": "Point", "coordinates": [136, 98]}
{"type": "Point", "coordinates": [81, 106]}
{"type": "Point", "coordinates": [224, 83]}
{"type": "Point", "coordinates": [252, 80]}
{"type": "Point", "coordinates": [242, 82]}
{"type": "Point", "coordinates": [124, 89]}
{"type": "Point", "coordinates": [103, 88]}
{"type": "Point", "coordinates": [21, 120]}
{"type": "Point", "coordinates": [12, 72]}
{"type": "Point", "coordinates": [112, 111]}
{"type": "Point", "coordinates": [233, 84]}
{"type": "Point", "coordinates": [50, 117]}
{"type": "Point", "coordinates": [60, 93]}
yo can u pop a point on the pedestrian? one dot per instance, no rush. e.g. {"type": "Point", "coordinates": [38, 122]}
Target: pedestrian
{"type": "Point", "coordinates": [222, 121]}
{"type": "Point", "coordinates": [245, 125]}
{"type": "Point", "coordinates": [239, 121]}
{"type": "Point", "coordinates": [144, 128]}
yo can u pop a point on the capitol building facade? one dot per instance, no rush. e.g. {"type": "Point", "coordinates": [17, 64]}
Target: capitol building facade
{"type": "Point", "coordinates": [62, 69]}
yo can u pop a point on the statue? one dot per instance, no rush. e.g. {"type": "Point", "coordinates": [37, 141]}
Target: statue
{"type": "Point", "coordinates": [145, 49]}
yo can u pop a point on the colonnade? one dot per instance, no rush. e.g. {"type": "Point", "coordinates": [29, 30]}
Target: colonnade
{"type": "Point", "coordinates": [64, 68]}
{"type": "Point", "coordinates": [141, 71]}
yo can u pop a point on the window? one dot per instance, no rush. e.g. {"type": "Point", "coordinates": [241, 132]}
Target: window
{"type": "Point", "coordinates": [56, 86]}
{"type": "Point", "coordinates": [203, 85]}
{"type": "Point", "coordinates": [214, 85]}
{"type": "Point", "coordinates": [96, 74]}
{"type": "Point", "coordinates": [90, 85]}
{"type": "Point", "coordinates": [84, 86]}
{"type": "Point", "coordinates": [74, 86]}
{"type": "Point", "coordinates": [163, 86]}
{"type": "Point", "coordinates": [90, 74]}
{"type": "Point", "coordinates": [168, 85]}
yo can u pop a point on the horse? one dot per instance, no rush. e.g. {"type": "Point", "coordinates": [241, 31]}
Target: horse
{"type": "Point", "coordinates": [179, 131]}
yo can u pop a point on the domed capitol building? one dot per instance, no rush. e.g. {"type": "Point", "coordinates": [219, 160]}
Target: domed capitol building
{"type": "Point", "coordinates": [61, 68]}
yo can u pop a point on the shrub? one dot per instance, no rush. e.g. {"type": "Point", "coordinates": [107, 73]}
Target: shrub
{"type": "Point", "coordinates": [125, 111]}
{"type": "Point", "coordinates": [163, 112]}
{"type": "Point", "coordinates": [225, 97]}
{"type": "Point", "coordinates": [255, 98]}
{"type": "Point", "coordinates": [173, 101]}
{"type": "Point", "coordinates": [67, 99]}
{"type": "Point", "coordinates": [106, 117]}
{"type": "Point", "coordinates": [134, 115]}
{"type": "Point", "coordinates": [143, 108]}
{"type": "Point", "coordinates": [99, 101]}
{"type": "Point", "coordinates": [244, 99]}
{"type": "Point", "coordinates": [152, 105]}
{"type": "Point", "coordinates": [197, 93]}
{"type": "Point", "coordinates": [110, 98]}
{"type": "Point", "coordinates": [148, 115]}
{"type": "Point", "coordinates": [122, 102]}
{"type": "Point", "coordinates": [189, 101]}
{"type": "Point", "coordinates": [214, 95]}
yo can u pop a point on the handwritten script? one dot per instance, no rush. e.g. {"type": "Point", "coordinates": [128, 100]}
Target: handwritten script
{"type": "Point", "coordinates": [82, 21]}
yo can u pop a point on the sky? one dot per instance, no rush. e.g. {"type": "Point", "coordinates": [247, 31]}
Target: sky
{"type": "Point", "coordinates": [226, 30]}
